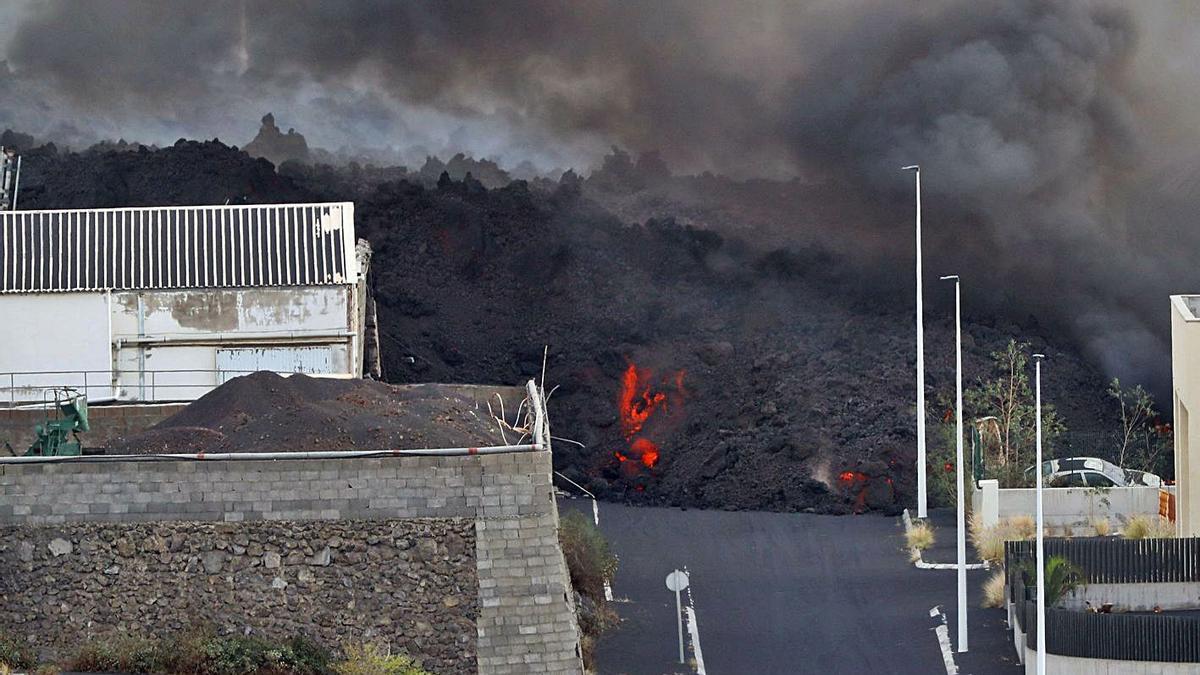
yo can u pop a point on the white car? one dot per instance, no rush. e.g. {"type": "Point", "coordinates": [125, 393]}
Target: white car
{"type": "Point", "coordinates": [1091, 472]}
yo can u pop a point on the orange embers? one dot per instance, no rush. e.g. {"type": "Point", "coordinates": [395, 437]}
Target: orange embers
{"type": "Point", "coordinates": [639, 400]}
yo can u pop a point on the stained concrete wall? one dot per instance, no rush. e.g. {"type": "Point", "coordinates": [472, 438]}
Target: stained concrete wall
{"type": "Point", "coordinates": [526, 621]}
{"type": "Point", "coordinates": [1074, 665]}
{"type": "Point", "coordinates": [1076, 508]}
{"type": "Point", "coordinates": [119, 336]}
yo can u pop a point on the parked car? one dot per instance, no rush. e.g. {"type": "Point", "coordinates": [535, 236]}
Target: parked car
{"type": "Point", "coordinates": [1091, 472]}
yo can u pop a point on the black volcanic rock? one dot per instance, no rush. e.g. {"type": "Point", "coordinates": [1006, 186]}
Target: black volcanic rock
{"type": "Point", "coordinates": [276, 146]}
{"type": "Point", "coordinates": [778, 373]}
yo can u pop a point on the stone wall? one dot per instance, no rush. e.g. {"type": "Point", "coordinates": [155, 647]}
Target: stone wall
{"type": "Point", "coordinates": [524, 620]}
{"type": "Point", "coordinates": [107, 422]}
{"type": "Point", "coordinates": [411, 582]}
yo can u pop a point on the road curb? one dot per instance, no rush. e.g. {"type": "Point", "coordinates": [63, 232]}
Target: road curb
{"type": "Point", "coordinates": [920, 563]}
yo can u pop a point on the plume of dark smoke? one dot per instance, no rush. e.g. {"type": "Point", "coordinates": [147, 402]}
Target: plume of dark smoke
{"type": "Point", "coordinates": [1051, 134]}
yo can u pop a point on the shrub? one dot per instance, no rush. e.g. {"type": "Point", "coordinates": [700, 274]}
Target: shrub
{"type": "Point", "coordinates": [126, 654]}
{"type": "Point", "coordinates": [993, 590]}
{"type": "Point", "coordinates": [1062, 577]}
{"type": "Point", "coordinates": [371, 659]}
{"type": "Point", "coordinates": [1022, 528]}
{"type": "Point", "coordinates": [13, 655]}
{"type": "Point", "coordinates": [589, 560]}
{"type": "Point", "coordinates": [919, 536]}
{"type": "Point", "coordinates": [1102, 527]}
{"type": "Point", "coordinates": [989, 541]}
{"type": "Point", "coordinates": [203, 653]}
{"type": "Point", "coordinates": [1148, 527]}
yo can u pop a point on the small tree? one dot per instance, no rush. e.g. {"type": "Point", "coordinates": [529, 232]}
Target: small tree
{"type": "Point", "coordinates": [1010, 400]}
{"type": "Point", "coordinates": [1137, 409]}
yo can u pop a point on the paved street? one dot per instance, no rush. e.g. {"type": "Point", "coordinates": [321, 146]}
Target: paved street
{"type": "Point", "coordinates": [785, 593]}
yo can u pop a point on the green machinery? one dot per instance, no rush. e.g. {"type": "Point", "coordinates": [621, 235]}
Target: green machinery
{"type": "Point", "coordinates": [58, 433]}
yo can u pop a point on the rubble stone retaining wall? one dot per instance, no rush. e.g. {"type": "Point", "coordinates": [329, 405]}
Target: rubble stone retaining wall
{"type": "Point", "coordinates": [454, 558]}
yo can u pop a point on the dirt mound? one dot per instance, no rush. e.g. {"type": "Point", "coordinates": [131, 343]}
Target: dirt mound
{"type": "Point", "coordinates": [264, 412]}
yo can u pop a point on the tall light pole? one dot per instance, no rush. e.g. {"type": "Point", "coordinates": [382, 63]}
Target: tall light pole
{"type": "Point", "coordinates": [1041, 526]}
{"type": "Point", "coordinates": [958, 465]}
{"type": "Point", "coordinates": [922, 509]}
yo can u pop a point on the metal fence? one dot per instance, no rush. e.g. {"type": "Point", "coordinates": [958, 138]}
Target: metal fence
{"type": "Point", "coordinates": [1121, 636]}
{"type": "Point", "coordinates": [31, 388]}
{"type": "Point", "coordinates": [1106, 560]}
{"type": "Point", "coordinates": [177, 247]}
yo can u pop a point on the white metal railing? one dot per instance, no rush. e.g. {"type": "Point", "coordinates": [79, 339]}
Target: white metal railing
{"type": "Point", "coordinates": [177, 247]}
{"type": "Point", "coordinates": [20, 389]}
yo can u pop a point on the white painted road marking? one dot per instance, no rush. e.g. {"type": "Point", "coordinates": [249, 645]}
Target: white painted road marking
{"type": "Point", "coordinates": [943, 636]}
{"type": "Point", "coordinates": [694, 627]}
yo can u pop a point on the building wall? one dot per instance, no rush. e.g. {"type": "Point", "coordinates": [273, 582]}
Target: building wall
{"type": "Point", "coordinates": [1185, 376]}
{"type": "Point", "coordinates": [1075, 507]}
{"type": "Point", "coordinates": [525, 621]}
{"type": "Point", "coordinates": [1074, 665]}
{"type": "Point", "coordinates": [143, 334]}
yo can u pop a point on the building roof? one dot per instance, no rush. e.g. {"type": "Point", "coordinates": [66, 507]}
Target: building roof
{"type": "Point", "coordinates": [174, 247]}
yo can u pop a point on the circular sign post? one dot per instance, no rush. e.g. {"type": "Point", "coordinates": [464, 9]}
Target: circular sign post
{"type": "Point", "coordinates": [677, 581]}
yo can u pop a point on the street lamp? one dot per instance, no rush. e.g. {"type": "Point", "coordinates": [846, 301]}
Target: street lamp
{"type": "Point", "coordinates": [922, 510]}
{"type": "Point", "coordinates": [1041, 526]}
{"type": "Point", "coordinates": [958, 465]}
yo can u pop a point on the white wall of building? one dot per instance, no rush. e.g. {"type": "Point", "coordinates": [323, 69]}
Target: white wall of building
{"type": "Point", "coordinates": [135, 339]}
{"type": "Point", "coordinates": [52, 332]}
{"type": "Point", "coordinates": [1185, 376]}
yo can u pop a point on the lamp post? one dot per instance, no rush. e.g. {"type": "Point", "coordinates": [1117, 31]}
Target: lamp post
{"type": "Point", "coordinates": [1041, 526]}
{"type": "Point", "coordinates": [958, 466]}
{"type": "Point", "coordinates": [922, 509]}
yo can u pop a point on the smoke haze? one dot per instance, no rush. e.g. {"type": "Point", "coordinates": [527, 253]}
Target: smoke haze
{"type": "Point", "coordinates": [1057, 139]}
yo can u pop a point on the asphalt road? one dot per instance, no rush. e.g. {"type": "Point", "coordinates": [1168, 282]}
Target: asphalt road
{"type": "Point", "coordinates": [785, 593]}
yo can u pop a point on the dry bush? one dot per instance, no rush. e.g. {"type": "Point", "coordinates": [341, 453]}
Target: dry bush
{"type": "Point", "coordinates": [974, 526]}
{"type": "Point", "coordinates": [1148, 527]}
{"type": "Point", "coordinates": [1102, 527]}
{"type": "Point", "coordinates": [1138, 527]}
{"type": "Point", "coordinates": [993, 590]}
{"type": "Point", "coordinates": [989, 542]}
{"type": "Point", "coordinates": [919, 536]}
{"type": "Point", "coordinates": [1022, 528]}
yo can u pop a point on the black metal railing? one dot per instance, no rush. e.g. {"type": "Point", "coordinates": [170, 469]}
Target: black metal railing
{"type": "Point", "coordinates": [1122, 636]}
{"type": "Point", "coordinates": [1165, 637]}
{"type": "Point", "coordinates": [1105, 560]}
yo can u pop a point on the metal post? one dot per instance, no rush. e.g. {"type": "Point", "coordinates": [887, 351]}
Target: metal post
{"type": "Point", "coordinates": [679, 620]}
{"type": "Point", "coordinates": [959, 474]}
{"type": "Point", "coordinates": [1041, 563]}
{"type": "Point", "coordinates": [922, 509]}
{"type": "Point", "coordinates": [16, 185]}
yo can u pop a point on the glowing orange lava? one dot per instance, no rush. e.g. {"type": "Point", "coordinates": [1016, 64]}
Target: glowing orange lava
{"type": "Point", "coordinates": [637, 404]}
{"type": "Point", "coordinates": [638, 401]}
{"type": "Point", "coordinates": [647, 451]}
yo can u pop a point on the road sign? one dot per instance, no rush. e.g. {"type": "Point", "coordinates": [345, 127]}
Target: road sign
{"type": "Point", "coordinates": [677, 581]}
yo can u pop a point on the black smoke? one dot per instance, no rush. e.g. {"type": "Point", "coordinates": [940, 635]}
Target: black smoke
{"type": "Point", "coordinates": [1054, 136]}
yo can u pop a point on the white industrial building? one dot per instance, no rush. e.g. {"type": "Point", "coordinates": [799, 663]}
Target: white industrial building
{"type": "Point", "coordinates": [165, 303]}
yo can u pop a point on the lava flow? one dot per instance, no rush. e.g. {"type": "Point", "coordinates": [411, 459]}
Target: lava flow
{"type": "Point", "coordinates": [638, 402]}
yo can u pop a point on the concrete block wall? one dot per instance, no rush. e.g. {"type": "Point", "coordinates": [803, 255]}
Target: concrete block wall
{"type": "Point", "coordinates": [108, 422]}
{"type": "Point", "coordinates": [527, 620]}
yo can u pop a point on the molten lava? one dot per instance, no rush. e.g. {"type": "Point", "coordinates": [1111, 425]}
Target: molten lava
{"type": "Point", "coordinates": [637, 403]}
{"type": "Point", "coordinates": [646, 450]}
{"type": "Point", "coordinates": [640, 400]}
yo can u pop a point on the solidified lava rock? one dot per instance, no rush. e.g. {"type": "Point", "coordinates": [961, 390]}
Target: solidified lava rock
{"type": "Point", "coordinates": [788, 371]}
